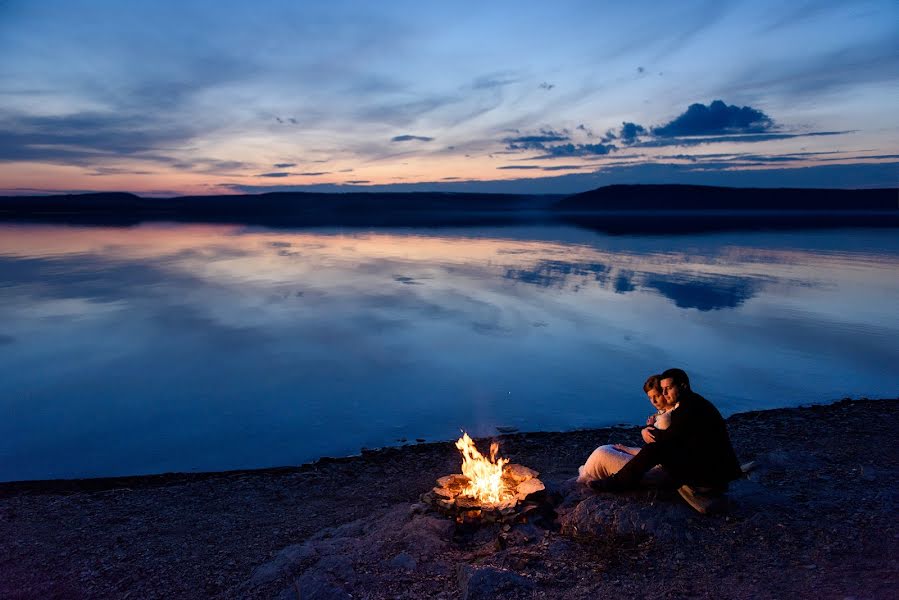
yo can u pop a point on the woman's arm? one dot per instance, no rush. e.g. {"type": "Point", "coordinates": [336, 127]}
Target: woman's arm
{"type": "Point", "coordinates": [626, 449]}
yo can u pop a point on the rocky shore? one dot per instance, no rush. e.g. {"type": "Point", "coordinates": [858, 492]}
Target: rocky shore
{"type": "Point", "coordinates": [816, 517]}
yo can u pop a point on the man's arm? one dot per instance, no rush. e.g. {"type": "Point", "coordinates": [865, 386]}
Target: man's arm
{"type": "Point", "coordinates": [684, 419]}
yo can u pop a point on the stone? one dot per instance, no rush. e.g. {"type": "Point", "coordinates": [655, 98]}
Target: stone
{"type": "Point", "coordinates": [315, 585]}
{"type": "Point", "coordinates": [282, 563]}
{"type": "Point", "coordinates": [425, 536]}
{"type": "Point", "coordinates": [404, 561]}
{"type": "Point", "coordinates": [626, 518]}
{"type": "Point", "coordinates": [519, 473]}
{"type": "Point", "coordinates": [747, 496]}
{"type": "Point", "coordinates": [489, 583]}
{"type": "Point", "coordinates": [443, 492]}
{"type": "Point", "coordinates": [528, 487]}
{"type": "Point", "coordinates": [868, 473]}
{"type": "Point", "coordinates": [451, 481]}
{"type": "Point", "coordinates": [521, 535]}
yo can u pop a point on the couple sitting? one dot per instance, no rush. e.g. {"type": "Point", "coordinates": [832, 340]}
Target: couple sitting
{"type": "Point", "coordinates": [687, 445]}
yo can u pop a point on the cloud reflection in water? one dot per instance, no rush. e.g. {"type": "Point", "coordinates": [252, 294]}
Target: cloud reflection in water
{"type": "Point", "coordinates": [207, 347]}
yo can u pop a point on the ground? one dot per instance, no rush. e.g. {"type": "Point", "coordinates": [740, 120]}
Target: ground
{"type": "Point", "coordinates": [816, 518]}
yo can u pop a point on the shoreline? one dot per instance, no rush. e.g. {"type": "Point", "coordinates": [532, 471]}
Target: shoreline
{"type": "Point", "coordinates": [103, 483]}
{"type": "Point", "coordinates": [821, 521]}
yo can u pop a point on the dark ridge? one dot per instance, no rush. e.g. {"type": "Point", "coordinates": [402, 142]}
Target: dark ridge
{"type": "Point", "coordinates": [613, 209]}
{"type": "Point", "coordinates": [698, 197]}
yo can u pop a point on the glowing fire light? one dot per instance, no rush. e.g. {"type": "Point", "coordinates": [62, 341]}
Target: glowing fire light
{"type": "Point", "coordinates": [485, 475]}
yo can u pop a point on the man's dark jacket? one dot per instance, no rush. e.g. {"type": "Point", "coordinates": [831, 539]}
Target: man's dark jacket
{"type": "Point", "coordinates": [695, 449]}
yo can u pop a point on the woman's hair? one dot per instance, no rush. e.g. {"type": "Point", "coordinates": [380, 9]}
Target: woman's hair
{"type": "Point", "coordinates": [653, 383]}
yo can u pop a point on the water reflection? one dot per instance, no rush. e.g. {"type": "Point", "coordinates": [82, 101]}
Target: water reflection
{"type": "Point", "coordinates": [154, 348]}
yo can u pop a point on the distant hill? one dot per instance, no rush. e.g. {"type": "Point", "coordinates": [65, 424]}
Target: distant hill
{"type": "Point", "coordinates": [612, 208]}
{"type": "Point", "coordinates": [286, 207]}
{"type": "Point", "coordinates": [705, 198]}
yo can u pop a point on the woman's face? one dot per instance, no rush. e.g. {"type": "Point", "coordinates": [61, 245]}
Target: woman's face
{"type": "Point", "coordinates": [657, 399]}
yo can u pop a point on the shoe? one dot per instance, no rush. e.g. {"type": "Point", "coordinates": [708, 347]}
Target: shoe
{"type": "Point", "coordinates": [704, 500]}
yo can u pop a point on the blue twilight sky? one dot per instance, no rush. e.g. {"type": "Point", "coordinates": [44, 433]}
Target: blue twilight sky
{"type": "Point", "coordinates": [214, 97]}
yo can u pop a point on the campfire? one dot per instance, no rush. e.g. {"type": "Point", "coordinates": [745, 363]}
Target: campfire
{"type": "Point", "coordinates": [489, 489]}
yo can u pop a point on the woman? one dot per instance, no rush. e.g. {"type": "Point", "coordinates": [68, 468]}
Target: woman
{"type": "Point", "coordinates": [607, 460]}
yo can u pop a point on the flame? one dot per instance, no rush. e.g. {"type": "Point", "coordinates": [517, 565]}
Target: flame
{"type": "Point", "coordinates": [484, 474]}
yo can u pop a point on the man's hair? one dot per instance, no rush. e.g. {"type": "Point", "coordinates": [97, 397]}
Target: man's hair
{"type": "Point", "coordinates": [653, 383]}
{"type": "Point", "coordinates": [678, 375]}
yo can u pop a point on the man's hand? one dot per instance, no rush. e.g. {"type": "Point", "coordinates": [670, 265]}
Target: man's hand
{"type": "Point", "coordinates": [648, 434]}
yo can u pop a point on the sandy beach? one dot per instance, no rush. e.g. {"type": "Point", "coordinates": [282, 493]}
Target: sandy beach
{"type": "Point", "coordinates": [816, 518]}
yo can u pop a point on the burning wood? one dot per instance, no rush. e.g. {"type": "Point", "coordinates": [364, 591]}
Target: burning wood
{"type": "Point", "coordinates": [489, 488]}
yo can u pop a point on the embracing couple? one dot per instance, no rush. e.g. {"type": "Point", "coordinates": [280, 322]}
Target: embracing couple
{"type": "Point", "coordinates": [687, 446]}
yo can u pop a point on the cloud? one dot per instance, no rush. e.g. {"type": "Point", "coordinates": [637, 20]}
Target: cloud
{"type": "Point", "coordinates": [411, 138]}
{"type": "Point", "coordinates": [547, 86]}
{"type": "Point", "coordinates": [712, 292]}
{"type": "Point", "coordinates": [630, 132]}
{"type": "Point", "coordinates": [856, 175]}
{"type": "Point", "coordinates": [274, 175]}
{"type": "Point", "coordinates": [741, 138]}
{"type": "Point", "coordinates": [564, 168]}
{"type": "Point", "coordinates": [487, 82]}
{"type": "Point", "coordinates": [569, 150]}
{"type": "Point", "coordinates": [537, 141]}
{"type": "Point", "coordinates": [403, 114]}
{"type": "Point", "coordinates": [284, 165]}
{"type": "Point", "coordinates": [314, 173]}
{"type": "Point", "coordinates": [717, 118]}
{"type": "Point", "coordinates": [544, 137]}
{"type": "Point", "coordinates": [83, 138]}
{"type": "Point", "coordinates": [516, 167]}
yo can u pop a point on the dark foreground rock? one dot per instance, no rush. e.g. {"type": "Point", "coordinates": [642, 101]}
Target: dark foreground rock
{"type": "Point", "coordinates": [815, 517]}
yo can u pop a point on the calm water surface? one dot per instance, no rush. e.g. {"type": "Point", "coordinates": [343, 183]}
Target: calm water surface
{"type": "Point", "coordinates": [205, 347]}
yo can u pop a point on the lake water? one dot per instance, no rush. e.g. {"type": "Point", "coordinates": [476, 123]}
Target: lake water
{"type": "Point", "coordinates": [171, 347]}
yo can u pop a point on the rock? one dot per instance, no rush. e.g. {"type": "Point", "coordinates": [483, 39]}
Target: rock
{"type": "Point", "coordinates": [282, 563]}
{"type": "Point", "coordinates": [521, 535]}
{"type": "Point", "coordinates": [781, 459]}
{"type": "Point", "coordinates": [452, 481]}
{"type": "Point", "coordinates": [315, 585]}
{"type": "Point", "coordinates": [626, 517]}
{"type": "Point", "coordinates": [417, 508]}
{"type": "Point", "coordinates": [560, 548]}
{"type": "Point", "coordinates": [664, 521]}
{"type": "Point", "coordinates": [489, 583]}
{"type": "Point", "coordinates": [528, 487]}
{"type": "Point", "coordinates": [746, 496]}
{"type": "Point", "coordinates": [404, 561]}
{"type": "Point", "coordinates": [339, 566]}
{"type": "Point", "coordinates": [868, 473]}
{"type": "Point", "coordinates": [425, 536]}
{"type": "Point", "coordinates": [519, 473]}
{"type": "Point", "coordinates": [443, 492]}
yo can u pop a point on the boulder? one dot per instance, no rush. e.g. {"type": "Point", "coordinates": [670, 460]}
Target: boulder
{"type": "Point", "coordinates": [626, 516]}
{"type": "Point", "coordinates": [488, 583]}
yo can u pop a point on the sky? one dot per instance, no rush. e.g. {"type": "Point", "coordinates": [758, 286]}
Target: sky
{"type": "Point", "coordinates": [212, 97]}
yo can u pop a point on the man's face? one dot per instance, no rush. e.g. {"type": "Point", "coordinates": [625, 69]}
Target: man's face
{"type": "Point", "coordinates": [670, 390]}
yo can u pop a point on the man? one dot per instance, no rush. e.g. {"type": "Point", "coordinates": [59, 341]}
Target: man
{"type": "Point", "coordinates": [694, 450]}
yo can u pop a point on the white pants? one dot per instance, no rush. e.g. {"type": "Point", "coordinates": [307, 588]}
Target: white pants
{"type": "Point", "coordinates": [604, 462]}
